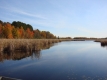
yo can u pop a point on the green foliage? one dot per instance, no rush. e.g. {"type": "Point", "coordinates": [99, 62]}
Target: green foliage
{"type": "Point", "coordinates": [24, 25]}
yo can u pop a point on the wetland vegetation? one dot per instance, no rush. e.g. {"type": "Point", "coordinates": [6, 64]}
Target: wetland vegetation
{"type": "Point", "coordinates": [26, 45]}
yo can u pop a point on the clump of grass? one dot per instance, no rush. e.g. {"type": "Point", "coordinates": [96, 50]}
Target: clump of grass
{"type": "Point", "coordinates": [102, 41]}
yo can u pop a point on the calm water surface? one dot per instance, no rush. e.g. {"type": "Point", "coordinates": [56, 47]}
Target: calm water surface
{"type": "Point", "coordinates": [72, 60]}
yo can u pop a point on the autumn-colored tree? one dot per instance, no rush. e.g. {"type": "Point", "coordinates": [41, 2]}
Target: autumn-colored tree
{"type": "Point", "coordinates": [19, 33]}
{"type": "Point", "coordinates": [29, 33]}
{"type": "Point", "coordinates": [49, 35]}
{"type": "Point", "coordinates": [21, 30]}
{"type": "Point", "coordinates": [37, 34]}
{"type": "Point", "coordinates": [1, 30]}
{"type": "Point", "coordinates": [7, 30]}
{"type": "Point", "coordinates": [43, 34]}
{"type": "Point", "coordinates": [15, 33]}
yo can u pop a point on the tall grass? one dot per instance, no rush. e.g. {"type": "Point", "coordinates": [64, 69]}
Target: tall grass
{"type": "Point", "coordinates": [26, 45]}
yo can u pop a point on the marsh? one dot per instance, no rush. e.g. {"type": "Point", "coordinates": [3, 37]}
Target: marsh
{"type": "Point", "coordinates": [68, 60]}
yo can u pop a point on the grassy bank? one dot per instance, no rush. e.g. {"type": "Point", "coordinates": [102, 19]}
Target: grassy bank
{"type": "Point", "coordinates": [26, 45]}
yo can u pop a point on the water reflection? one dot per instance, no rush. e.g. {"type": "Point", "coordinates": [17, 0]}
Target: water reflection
{"type": "Point", "coordinates": [103, 45]}
{"type": "Point", "coordinates": [67, 61]}
{"type": "Point", "coordinates": [18, 55]}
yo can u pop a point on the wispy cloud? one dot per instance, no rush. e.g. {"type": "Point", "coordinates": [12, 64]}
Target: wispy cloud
{"type": "Point", "coordinates": [19, 11]}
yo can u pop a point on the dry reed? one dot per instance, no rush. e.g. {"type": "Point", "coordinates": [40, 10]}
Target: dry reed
{"type": "Point", "coordinates": [26, 45]}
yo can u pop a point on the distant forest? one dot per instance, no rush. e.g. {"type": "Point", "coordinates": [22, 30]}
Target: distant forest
{"type": "Point", "coordinates": [20, 30]}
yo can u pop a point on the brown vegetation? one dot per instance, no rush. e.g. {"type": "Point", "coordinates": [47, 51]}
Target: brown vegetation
{"type": "Point", "coordinates": [26, 45]}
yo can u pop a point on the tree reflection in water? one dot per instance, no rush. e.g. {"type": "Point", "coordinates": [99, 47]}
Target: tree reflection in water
{"type": "Point", "coordinates": [18, 55]}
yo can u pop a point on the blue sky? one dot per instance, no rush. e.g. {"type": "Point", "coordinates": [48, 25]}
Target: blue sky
{"type": "Point", "coordinates": [74, 18]}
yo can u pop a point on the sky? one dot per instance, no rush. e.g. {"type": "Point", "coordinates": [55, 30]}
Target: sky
{"type": "Point", "coordinates": [73, 18]}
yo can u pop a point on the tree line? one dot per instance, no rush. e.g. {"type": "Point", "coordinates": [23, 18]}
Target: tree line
{"type": "Point", "coordinates": [20, 30]}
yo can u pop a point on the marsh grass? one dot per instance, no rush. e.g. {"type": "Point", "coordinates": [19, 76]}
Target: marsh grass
{"type": "Point", "coordinates": [26, 45]}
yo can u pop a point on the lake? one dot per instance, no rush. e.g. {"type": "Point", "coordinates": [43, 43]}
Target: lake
{"type": "Point", "coordinates": [68, 60]}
